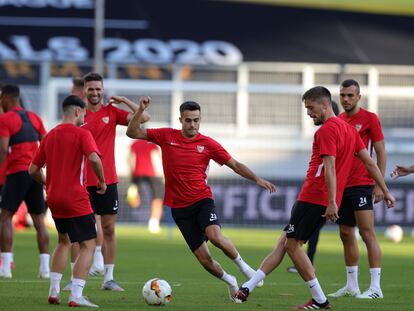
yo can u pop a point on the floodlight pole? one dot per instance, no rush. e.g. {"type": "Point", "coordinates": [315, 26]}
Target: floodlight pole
{"type": "Point", "coordinates": [98, 60]}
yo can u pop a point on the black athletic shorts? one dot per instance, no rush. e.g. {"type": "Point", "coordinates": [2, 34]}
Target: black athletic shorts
{"type": "Point", "coordinates": [20, 187]}
{"type": "Point", "coordinates": [79, 229]}
{"type": "Point", "coordinates": [104, 204]}
{"type": "Point", "coordinates": [155, 183]}
{"type": "Point", "coordinates": [193, 221]}
{"type": "Point", "coordinates": [305, 219]}
{"type": "Point", "coordinates": [355, 199]}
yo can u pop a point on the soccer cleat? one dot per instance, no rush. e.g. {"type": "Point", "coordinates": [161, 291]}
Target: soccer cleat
{"type": "Point", "coordinates": [249, 274]}
{"type": "Point", "coordinates": [312, 304]}
{"type": "Point", "coordinates": [80, 302]}
{"type": "Point", "coordinates": [292, 269]}
{"type": "Point", "coordinates": [113, 286]}
{"type": "Point", "coordinates": [53, 298]}
{"type": "Point", "coordinates": [233, 290]}
{"type": "Point", "coordinates": [345, 292]}
{"type": "Point", "coordinates": [242, 294]}
{"type": "Point", "coordinates": [95, 271]}
{"type": "Point", "coordinates": [68, 286]}
{"type": "Point", "coordinates": [44, 274]}
{"type": "Point", "coordinates": [5, 275]}
{"type": "Point", "coordinates": [371, 293]}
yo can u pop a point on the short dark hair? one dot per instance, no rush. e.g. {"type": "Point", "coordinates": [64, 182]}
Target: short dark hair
{"type": "Point", "coordinates": [10, 90]}
{"type": "Point", "coordinates": [351, 82]}
{"type": "Point", "coordinates": [92, 76]}
{"type": "Point", "coordinates": [335, 107]}
{"type": "Point", "coordinates": [317, 93]}
{"type": "Point", "coordinates": [189, 105]}
{"type": "Point", "coordinates": [78, 82]}
{"type": "Point", "coordinates": [72, 101]}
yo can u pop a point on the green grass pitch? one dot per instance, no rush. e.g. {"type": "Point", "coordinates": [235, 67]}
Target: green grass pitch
{"type": "Point", "coordinates": [142, 256]}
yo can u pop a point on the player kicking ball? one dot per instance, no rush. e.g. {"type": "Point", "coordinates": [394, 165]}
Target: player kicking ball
{"type": "Point", "coordinates": [186, 154]}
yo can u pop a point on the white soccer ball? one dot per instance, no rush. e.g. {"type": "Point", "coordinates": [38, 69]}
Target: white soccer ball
{"type": "Point", "coordinates": [394, 233]}
{"type": "Point", "coordinates": [157, 292]}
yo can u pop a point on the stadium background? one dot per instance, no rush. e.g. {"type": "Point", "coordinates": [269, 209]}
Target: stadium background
{"type": "Point", "coordinates": [246, 62]}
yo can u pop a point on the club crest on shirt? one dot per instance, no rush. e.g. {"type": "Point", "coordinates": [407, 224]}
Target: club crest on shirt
{"type": "Point", "coordinates": [200, 148]}
{"type": "Point", "coordinates": [105, 120]}
{"type": "Point", "coordinates": [358, 127]}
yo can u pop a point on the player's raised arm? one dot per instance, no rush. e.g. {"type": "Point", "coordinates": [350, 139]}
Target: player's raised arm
{"type": "Point", "coordinates": [131, 105]}
{"type": "Point", "coordinates": [247, 173]}
{"type": "Point", "coordinates": [134, 129]}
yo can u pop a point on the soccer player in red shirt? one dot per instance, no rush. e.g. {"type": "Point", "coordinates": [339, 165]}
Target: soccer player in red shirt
{"type": "Point", "coordinates": [20, 133]}
{"type": "Point", "coordinates": [78, 86]}
{"type": "Point", "coordinates": [359, 196]}
{"type": "Point", "coordinates": [143, 160]}
{"type": "Point", "coordinates": [101, 120]}
{"type": "Point", "coordinates": [186, 154]}
{"type": "Point", "coordinates": [334, 147]}
{"type": "Point", "coordinates": [63, 151]}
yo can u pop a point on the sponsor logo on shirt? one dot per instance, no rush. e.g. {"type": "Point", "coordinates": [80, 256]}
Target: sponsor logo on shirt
{"type": "Point", "coordinates": [362, 201]}
{"type": "Point", "coordinates": [105, 120]}
{"type": "Point", "coordinates": [358, 127]}
{"type": "Point", "coordinates": [200, 149]}
{"type": "Point", "coordinates": [290, 229]}
{"type": "Point", "coordinates": [213, 217]}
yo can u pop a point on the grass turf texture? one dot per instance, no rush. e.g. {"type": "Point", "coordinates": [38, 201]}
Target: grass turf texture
{"type": "Point", "coordinates": [142, 256]}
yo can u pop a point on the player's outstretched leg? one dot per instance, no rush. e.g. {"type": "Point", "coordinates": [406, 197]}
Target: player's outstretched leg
{"type": "Point", "coordinates": [214, 235]}
{"type": "Point", "coordinates": [204, 257]}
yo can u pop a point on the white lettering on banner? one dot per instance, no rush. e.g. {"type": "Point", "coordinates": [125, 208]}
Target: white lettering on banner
{"type": "Point", "coordinates": [249, 203]}
{"type": "Point", "coordinates": [6, 52]}
{"type": "Point", "coordinates": [232, 199]}
{"type": "Point", "coordinates": [409, 206]}
{"type": "Point", "coordinates": [251, 208]}
{"type": "Point", "coordinates": [272, 211]}
{"type": "Point", "coordinates": [67, 49]}
{"type": "Point", "coordinates": [57, 4]}
{"type": "Point", "coordinates": [26, 51]}
{"type": "Point", "coordinates": [151, 51]}
{"type": "Point", "coordinates": [254, 203]}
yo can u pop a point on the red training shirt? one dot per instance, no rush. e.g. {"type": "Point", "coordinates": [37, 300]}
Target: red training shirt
{"type": "Point", "coordinates": [20, 155]}
{"type": "Point", "coordinates": [334, 138]}
{"type": "Point", "coordinates": [143, 162]}
{"type": "Point", "coordinates": [64, 151]}
{"type": "Point", "coordinates": [369, 128]}
{"type": "Point", "coordinates": [102, 124]}
{"type": "Point", "coordinates": [185, 162]}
